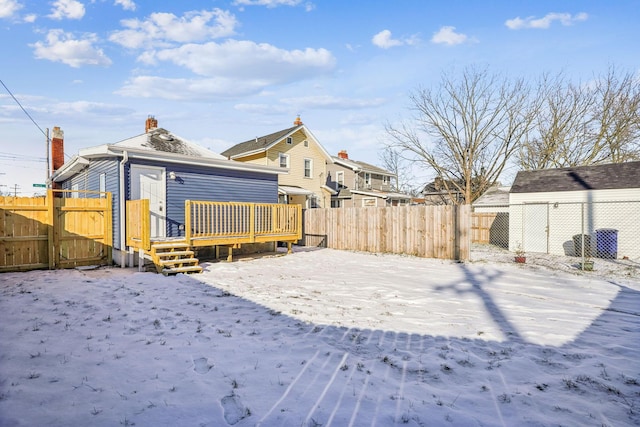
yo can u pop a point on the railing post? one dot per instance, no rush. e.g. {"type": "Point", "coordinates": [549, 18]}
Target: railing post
{"type": "Point", "coordinates": [187, 221]}
{"type": "Point", "coordinates": [252, 222]}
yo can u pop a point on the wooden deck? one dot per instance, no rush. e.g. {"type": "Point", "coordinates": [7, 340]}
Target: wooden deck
{"type": "Point", "coordinates": [214, 224]}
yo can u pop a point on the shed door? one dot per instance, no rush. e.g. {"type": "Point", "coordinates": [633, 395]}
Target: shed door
{"type": "Point", "coordinates": [535, 223]}
{"type": "Point", "coordinates": [148, 182]}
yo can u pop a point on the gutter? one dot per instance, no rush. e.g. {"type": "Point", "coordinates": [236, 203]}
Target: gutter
{"type": "Point", "coordinates": [123, 231]}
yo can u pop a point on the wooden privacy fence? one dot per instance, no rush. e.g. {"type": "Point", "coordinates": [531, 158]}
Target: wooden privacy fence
{"type": "Point", "coordinates": [490, 227]}
{"type": "Point", "coordinates": [425, 231]}
{"type": "Point", "coordinates": [55, 232]}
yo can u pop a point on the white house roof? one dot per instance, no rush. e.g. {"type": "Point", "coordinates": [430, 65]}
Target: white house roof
{"type": "Point", "coordinates": [158, 145]}
{"type": "Point", "coordinates": [161, 140]}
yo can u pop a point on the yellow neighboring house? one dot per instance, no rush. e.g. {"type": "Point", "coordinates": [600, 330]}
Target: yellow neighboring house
{"type": "Point", "coordinates": [298, 151]}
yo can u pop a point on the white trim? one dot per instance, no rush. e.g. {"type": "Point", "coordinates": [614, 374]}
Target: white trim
{"type": "Point", "coordinates": [304, 168]}
{"type": "Point", "coordinates": [286, 158]}
{"type": "Point", "coordinates": [294, 191]}
{"type": "Point", "coordinates": [82, 159]}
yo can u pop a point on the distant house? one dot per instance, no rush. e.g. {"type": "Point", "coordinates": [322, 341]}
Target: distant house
{"type": "Point", "coordinates": [357, 184]}
{"type": "Point", "coordinates": [552, 209]}
{"type": "Point", "coordinates": [441, 192]}
{"type": "Point", "coordinates": [166, 169]}
{"type": "Point", "coordinates": [495, 199]}
{"type": "Point", "coordinates": [297, 153]}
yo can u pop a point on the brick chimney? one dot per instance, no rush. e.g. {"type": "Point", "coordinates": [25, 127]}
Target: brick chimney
{"type": "Point", "coordinates": [57, 149]}
{"type": "Point", "coordinates": [343, 154]}
{"type": "Point", "coordinates": [150, 124]}
{"type": "Point", "coordinates": [297, 121]}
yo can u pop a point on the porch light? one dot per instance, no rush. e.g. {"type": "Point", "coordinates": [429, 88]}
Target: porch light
{"type": "Point", "coordinates": [172, 175]}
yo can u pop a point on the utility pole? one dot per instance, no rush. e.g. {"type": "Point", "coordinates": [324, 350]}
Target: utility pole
{"type": "Point", "coordinates": [15, 190]}
{"type": "Point", "coordinates": [47, 155]}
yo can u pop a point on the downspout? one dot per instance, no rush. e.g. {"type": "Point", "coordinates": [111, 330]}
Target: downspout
{"type": "Point", "coordinates": [123, 231]}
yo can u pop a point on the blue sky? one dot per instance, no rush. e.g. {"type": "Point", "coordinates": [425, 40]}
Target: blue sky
{"type": "Point", "coordinates": [220, 72]}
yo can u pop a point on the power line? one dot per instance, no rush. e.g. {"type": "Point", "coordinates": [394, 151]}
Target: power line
{"type": "Point", "coordinates": [25, 111]}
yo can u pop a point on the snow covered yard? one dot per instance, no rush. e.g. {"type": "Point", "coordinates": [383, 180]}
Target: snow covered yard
{"type": "Point", "coordinates": [321, 337]}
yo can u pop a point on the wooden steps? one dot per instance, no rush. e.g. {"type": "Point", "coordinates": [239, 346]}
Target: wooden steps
{"type": "Point", "coordinates": [173, 258]}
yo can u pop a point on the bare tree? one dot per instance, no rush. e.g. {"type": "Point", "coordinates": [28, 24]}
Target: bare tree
{"type": "Point", "coordinates": [585, 124]}
{"type": "Point", "coordinates": [393, 161]}
{"type": "Point", "coordinates": [467, 129]}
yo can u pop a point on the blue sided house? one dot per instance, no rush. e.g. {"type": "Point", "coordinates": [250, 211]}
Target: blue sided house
{"type": "Point", "coordinates": [165, 169]}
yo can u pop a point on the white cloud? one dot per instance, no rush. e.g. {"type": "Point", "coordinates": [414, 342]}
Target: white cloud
{"type": "Point", "coordinates": [63, 47]}
{"type": "Point", "coordinates": [565, 19]}
{"type": "Point", "coordinates": [448, 35]}
{"type": "Point", "coordinates": [67, 9]}
{"type": "Point", "coordinates": [263, 109]}
{"type": "Point", "coordinates": [384, 40]}
{"type": "Point", "coordinates": [9, 7]}
{"type": "Point", "coordinates": [188, 89]}
{"type": "Point", "coordinates": [332, 102]}
{"type": "Point", "coordinates": [267, 3]}
{"type": "Point", "coordinates": [31, 18]}
{"type": "Point", "coordinates": [248, 60]}
{"type": "Point", "coordinates": [126, 4]}
{"type": "Point", "coordinates": [231, 69]}
{"type": "Point", "coordinates": [163, 29]}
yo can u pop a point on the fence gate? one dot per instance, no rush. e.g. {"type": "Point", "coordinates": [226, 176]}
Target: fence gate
{"type": "Point", "coordinates": [55, 232]}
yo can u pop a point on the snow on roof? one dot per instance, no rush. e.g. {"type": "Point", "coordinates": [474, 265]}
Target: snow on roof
{"type": "Point", "coordinates": [161, 140]}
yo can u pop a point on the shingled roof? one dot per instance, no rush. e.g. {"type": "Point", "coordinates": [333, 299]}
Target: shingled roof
{"type": "Point", "coordinates": [258, 144]}
{"type": "Point", "coordinates": [599, 177]}
{"type": "Point", "coordinates": [162, 141]}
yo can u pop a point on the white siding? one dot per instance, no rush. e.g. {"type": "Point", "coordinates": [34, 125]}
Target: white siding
{"type": "Point", "coordinates": [572, 213]}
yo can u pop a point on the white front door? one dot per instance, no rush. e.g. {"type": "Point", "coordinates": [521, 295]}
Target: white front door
{"type": "Point", "coordinates": [536, 228]}
{"type": "Point", "coordinates": [148, 182]}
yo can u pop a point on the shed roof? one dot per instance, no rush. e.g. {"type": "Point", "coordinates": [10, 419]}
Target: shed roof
{"type": "Point", "coordinates": [596, 177]}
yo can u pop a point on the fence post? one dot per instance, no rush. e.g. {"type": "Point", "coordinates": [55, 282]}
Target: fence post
{"type": "Point", "coordinates": [582, 234]}
{"type": "Point", "coordinates": [50, 229]}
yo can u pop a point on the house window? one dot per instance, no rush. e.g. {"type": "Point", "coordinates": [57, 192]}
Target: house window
{"type": "Point", "coordinates": [74, 191]}
{"type": "Point", "coordinates": [336, 203]}
{"type": "Point", "coordinates": [289, 140]}
{"type": "Point", "coordinates": [103, 184]}
{"type": "Point", "coordinates": [308, 168]}
{"type": "Point", "coordinates": [284, 160]}
{"type": "Point", "coordinates": [385, 180]}
{"type": "Point", "coordinates": [306, 143]}
{"type": "Point", "coordinates": [340, 178]}
{"type": "Point", "coordinates": [369, 201]}
{"type": "Point", "coordinates": [367, 180]}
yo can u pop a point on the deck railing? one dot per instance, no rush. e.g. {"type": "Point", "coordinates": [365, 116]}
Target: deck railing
{"type": "Point", "coordinates": [224, 223]}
